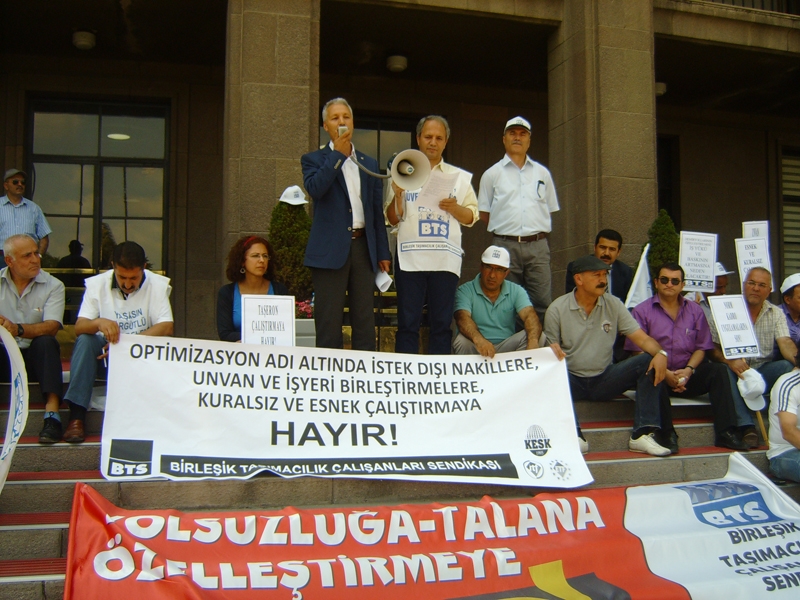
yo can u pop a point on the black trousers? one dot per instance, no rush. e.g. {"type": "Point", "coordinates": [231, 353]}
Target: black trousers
{"type": "Point", "coordinates": [711, 378]}
{"type": "Point", "coordinates": [42, 363]}
{"type": "Point", "coordinates": [357, 279]}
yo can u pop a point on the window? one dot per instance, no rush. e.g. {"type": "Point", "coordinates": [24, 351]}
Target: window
{"type": "Point", "coordinates": [99, 173]}
{"type": "Point", "coordinates": [790, 184]}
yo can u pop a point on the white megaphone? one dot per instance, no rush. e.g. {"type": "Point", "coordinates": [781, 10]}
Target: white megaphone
{"type": "Point", "coordinates": [410, 170]}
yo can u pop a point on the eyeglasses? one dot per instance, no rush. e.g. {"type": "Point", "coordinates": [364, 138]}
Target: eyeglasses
{"type": "Point", "coordinates": [493, 269]}
{"type": "Point", "coordinates": [673, 281]}
{"type": "Point", "coordinates": [18, 181]}
{"type": "Point", "coordinates": [757, 284]}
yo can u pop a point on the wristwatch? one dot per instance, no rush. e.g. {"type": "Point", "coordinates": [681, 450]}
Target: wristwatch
{"type": "Point", "coordinates": [20, 330]}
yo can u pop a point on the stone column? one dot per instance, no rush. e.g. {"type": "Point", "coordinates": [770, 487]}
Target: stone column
{"type": "Point", "coordinates": [271, 105]}
{"type": "Point", "coordinates": [602, 126]}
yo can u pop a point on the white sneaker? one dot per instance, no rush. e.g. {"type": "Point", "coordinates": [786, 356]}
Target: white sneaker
{"type": "Point", "coordinates": [647, 444]}
{"type": "Point", "coordinates": [584, 445]}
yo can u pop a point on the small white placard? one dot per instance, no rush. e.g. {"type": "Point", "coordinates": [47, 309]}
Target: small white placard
{"type": "Point", "coordinates": [752, 252]}
{"type": "Point", "coordinates": [268, 320]}
{"type": "Point", "coordinates": [698, 253]}
{"type": "Point", "coordinates": [736, 335]}
{"type": "Point", "coordinates": [759, 229]}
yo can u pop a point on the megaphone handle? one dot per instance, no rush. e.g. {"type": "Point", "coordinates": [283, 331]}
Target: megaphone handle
{"type": "Point", "coordinates": [368, 172]}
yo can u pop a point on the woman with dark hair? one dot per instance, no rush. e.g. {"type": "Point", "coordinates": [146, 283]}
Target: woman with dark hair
{"type": "Point", "coordinates": [251, 269]}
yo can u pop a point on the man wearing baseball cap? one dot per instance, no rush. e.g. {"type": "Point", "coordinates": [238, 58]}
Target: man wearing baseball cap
{"type": "Point", "coordinates": [790, 290]}
{"type": "Point", "coordinates": [20, 215]}
{"type": "Point", "coordinates": [584, 325]}
{"type": "Point", "coordinates": [486, 309]}
{"type": "Point", "coordinates": [516, 198]}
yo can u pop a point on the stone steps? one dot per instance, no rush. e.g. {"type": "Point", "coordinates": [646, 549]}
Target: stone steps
{"type": "Point", "coordinates": [37, 498]}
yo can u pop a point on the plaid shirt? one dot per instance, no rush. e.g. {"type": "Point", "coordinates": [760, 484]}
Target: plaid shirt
{"type": "Point", "coordinates": [769, 326]}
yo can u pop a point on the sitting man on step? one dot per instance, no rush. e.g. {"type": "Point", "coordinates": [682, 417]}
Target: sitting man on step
{"type": "Point", "coordinates": [584, 325]}
{"type": "Point", "coordinates": [129, 299]}
{"type": "Point", "coordinates": [680, 326]}
{"type": "Point", "coordinates": [32, 310]}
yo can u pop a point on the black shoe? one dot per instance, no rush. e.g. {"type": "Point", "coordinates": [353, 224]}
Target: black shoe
{"type": "Point", "coordinates": [51, 432]}
{"type": "Point", "coordinates": [750, 437]}
{"type": "Point", "coordinates": [730, 439]}
{"type": "Point", "coordinates": [668, 440]}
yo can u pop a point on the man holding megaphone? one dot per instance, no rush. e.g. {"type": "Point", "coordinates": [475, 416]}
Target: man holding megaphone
{"type": "Point", "coordinates": [347, 244]}
{"type": "Point", "coordinates": [428, 227]}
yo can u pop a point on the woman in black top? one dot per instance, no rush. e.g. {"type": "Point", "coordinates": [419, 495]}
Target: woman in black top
{"type": "Point", "coordinates": [251, 269]}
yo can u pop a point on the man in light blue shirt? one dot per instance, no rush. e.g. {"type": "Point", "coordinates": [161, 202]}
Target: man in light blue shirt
{"type": "Point", "coordinates": [486, 309]}
{"type": "Point", "coordinates": [32, 310]}
{"type": "Point", "coordinates": [20, 215]}
{"type": "Point", "coordinates": [516, 198]}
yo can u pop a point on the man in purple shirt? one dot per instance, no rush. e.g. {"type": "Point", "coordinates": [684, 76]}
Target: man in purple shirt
{"type": "Point", "coordinates": [681, 328]}
{"type": "Point", "coordinates": [790, 290]}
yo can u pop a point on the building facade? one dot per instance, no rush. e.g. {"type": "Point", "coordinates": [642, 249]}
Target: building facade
{"type": "Point", "coordinates": [687, 105]}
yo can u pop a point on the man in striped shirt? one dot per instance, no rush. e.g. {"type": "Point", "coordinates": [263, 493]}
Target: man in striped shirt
{"type": "Point", "coordinates": [20, 215]}
{"type": "Point", "coordinates": [784, 434]}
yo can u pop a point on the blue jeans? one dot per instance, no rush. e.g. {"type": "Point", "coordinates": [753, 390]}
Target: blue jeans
{"type": "Point", "coordinates": [413, 288]}
{"type": "Point", "coordinates": [786, 465]}
{"type": "Point", "coordinates": [85, 368]}
{"type": "Point", "coordinates": [619, 377]}
{"type": "Point", "coordinates": [770, 371]}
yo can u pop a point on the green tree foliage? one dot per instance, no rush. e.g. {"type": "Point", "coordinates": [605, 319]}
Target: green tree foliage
{"type": "Point", "coordinates": [288, 233]}
{"type": "Point", "coordinates": [664, 242]}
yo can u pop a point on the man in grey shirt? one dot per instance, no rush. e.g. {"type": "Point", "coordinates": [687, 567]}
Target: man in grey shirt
{"type": "Point", "coordinates": [584, 324]}
{"type": "Point", "coordinates": [32, 309]}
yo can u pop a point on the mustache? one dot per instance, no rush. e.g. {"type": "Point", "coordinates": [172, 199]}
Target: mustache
{"type": "Point", "coordinates": [601, 286]}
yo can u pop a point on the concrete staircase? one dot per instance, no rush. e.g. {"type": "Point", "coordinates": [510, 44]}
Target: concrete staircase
{"type": "Point", "coordinates": [36, 501]}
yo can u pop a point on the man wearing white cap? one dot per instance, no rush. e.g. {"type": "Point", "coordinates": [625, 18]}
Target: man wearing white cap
{"type": "Point", "coordinates": [516, 198]}
{"type": "Point", "coordinates": [20, 215]}
{"type": "Point", "coordinates": [790, 289]}
{"type": "Point", "coordinates": [487, 307]}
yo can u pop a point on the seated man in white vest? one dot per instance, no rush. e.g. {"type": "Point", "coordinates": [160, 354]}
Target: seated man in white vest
{"type": "Point", "coordinates": [486, 309]}
{"type": "Point", "coordinates": [130, 299]}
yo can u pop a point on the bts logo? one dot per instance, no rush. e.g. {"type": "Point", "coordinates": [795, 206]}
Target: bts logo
{"type": "Point", "coordinates": [728, 504]}
{"type": "Point", "coordinates": [129, 458]}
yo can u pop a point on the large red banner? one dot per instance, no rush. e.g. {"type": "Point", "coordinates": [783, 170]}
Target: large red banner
{"type": "Point", "coordinates": [570, 545]}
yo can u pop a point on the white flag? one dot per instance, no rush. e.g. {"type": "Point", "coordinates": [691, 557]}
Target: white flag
{"type": "Point", "coordinates": [641, 289]}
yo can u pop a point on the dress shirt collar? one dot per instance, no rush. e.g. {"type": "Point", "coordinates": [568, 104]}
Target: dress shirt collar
{"type": "Point", "coordinates": [507, 159]}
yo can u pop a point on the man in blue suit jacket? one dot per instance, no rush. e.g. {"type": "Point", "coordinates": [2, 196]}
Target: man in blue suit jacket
{"type": "Point", "coordinates": [607, 247]}
{"type": "Point", "coordinates": [348, 243]}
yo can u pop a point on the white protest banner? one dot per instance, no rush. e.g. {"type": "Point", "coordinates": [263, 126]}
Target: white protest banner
{"type": "Point", "coordinates": [268, 320]}
{"type": "Point", "coordinates": [698, 254]}
{"type": "Point", "coordinates": [18, 404]}
{"type": "Point", "coordinates": [752, 252]}
{"type": "Point", "coordinates": [736, 334]}
{"type": "Point", "coordinates": [216, 410]}
{"type": "Point", "coordinates": [734, 538]}
{"type": "Point", "coordinates": [755, 229]}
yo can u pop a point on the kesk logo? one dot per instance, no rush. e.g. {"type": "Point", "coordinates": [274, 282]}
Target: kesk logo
{"type": "Point", "coordinates": [536, 441]}
{"type": "Point", "coordinates": [728, 504]}
{"type": "Point", "coordinates": [130, 458]}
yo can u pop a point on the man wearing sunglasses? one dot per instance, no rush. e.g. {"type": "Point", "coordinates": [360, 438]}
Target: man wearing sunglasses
{"type": "Point", "coordinates": [487, 307]}
{"type": "Point", "coordinates": [680, 327]}
{"type": "Point", "coordinates": [771, 330]}
{"type": "Point", "coordinates": [20, 215]}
